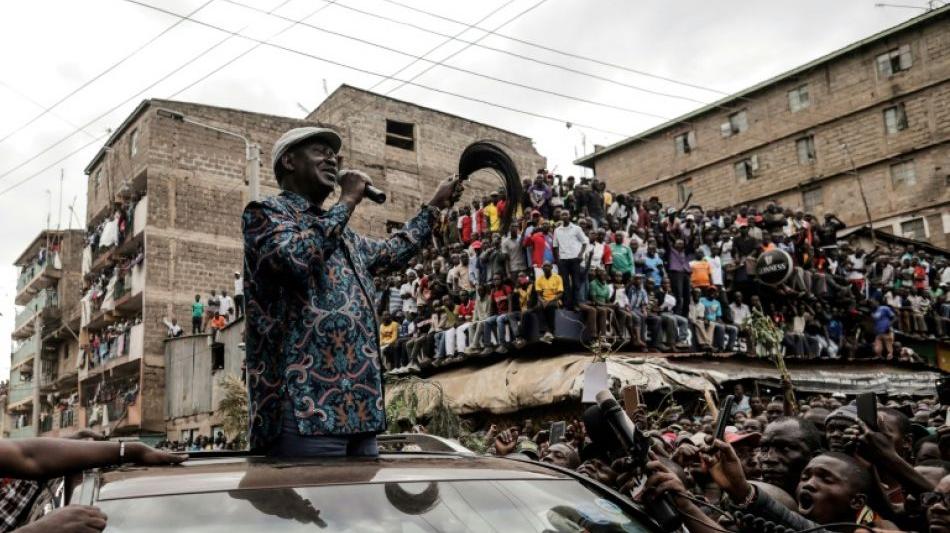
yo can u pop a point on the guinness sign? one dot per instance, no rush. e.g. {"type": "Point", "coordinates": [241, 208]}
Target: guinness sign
{"type": "Point", "coordinates": [774, 267]}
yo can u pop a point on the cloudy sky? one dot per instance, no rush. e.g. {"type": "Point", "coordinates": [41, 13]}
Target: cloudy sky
{"type": "Point", "coordinates": [70, 71]}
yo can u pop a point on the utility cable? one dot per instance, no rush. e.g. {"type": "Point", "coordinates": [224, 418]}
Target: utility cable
{"type": "Point", "coordinates": [101, 74]}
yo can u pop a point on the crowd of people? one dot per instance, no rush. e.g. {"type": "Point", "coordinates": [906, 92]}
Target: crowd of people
{"type": "Point", "coordinates": [198, 443]}
{"type": "Point", "coordinates": [650, 277]}
{"type": "Point", "coordinates": [795, 466]}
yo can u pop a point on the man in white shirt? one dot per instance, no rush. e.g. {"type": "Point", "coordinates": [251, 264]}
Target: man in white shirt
{"type": "Point", "coordinates": [740, 311]}
{"type": "Point", "coordinates": [569, 243]}
{"type": "Point", "coordinates": [226, 306]}
{"type": "Point", "coordinates": [238, 295]}
{"type": "Point", "coordinates": [408, 292]}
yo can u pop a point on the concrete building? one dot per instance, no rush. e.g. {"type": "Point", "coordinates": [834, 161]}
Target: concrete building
{"type": "Point", "coordinates": [163, 213]}
{"type": "Point", "coordinates": [408, 149]}
{"type": "Point", "coordinates": [42, 395]}
{"type": "Point", "coordinates": [877, 111]}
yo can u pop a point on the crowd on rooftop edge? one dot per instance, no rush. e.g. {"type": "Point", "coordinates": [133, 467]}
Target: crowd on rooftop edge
{"type": "Point", "coordinates": [651, 277]}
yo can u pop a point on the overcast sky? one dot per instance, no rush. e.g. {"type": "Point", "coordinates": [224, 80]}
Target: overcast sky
{"type": "Point", "coordinates": [52, 47]}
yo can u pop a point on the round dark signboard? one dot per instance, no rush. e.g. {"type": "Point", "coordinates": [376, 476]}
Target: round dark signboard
{"type": "Point", "coordinates": [774, 267]}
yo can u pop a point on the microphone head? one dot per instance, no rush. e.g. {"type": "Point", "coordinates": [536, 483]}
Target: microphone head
{"type": "Point", "coordinates": [606, 400]}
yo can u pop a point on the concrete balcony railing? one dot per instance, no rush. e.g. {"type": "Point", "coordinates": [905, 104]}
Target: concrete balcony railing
{"type": "Point", "coordinates": [24, 432]}
{"type": "Point", "coordinates": [44, 299]}
{"type": "Point", "coordinates": [137, 341]}
{"type": "Point", "coordinates": [35, 277]}
{"type": "Point", "coordinates": [26, 351]}
{"type": "Point", "coordinates": [140, 216]}
{"type": "Point", "coordinates": [20, 393]}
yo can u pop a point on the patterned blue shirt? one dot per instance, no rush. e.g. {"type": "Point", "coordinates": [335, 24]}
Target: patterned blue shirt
{"type": "Point", "coordinates": [312, 336]}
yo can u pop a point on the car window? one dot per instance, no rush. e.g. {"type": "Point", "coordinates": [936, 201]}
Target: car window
{"type": "Point", "coordinates": [562, 506]}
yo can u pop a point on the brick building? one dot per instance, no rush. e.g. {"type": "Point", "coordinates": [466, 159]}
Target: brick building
{"type": "Point", "coordinates": [42, 393]}
{"type": "Point", "coordinates": [408, 149]}
{"type": "Point", "coordinates": [877, 111]}
{"type": "Point", "coordinates": [175, 191]}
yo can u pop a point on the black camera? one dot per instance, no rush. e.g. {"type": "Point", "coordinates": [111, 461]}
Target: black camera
{"type": "Point", "coordinates": [615, 435]}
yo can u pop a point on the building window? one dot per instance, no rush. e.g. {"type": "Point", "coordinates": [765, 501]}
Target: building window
{"type": "Point", "coordinates": [738, 123]}
{"type": "Point", "coordinates": [683, 190]}
{"type": "Point", "coordinates": [97, 180]}
{"type": "Point", "coordinates": [914, 229]}
{"type": "Point", "coordinates": [894, 61]}
{"type": "Point", "coordinates": [811, 200]}
{"type": "Point", "coordinates": [685, 142]}
{"type": "Point", "coordinates": [798, 98]}
{"type": "Point", "coordinates": [400, 134]}
{"type": "Point", "coordinates": [133, 143]}
{"type": "Point", "coordinates": [903, 173]}
{"type": "Point", "coordinates": [895, 119]}
{"type": "Point", "coordinates": [806, 150]}
{"type": "Point", "coordinates": [747, 169]}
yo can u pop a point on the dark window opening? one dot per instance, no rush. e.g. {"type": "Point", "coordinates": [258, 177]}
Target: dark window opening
{"type": "Point", "coordinates": [400, 135]}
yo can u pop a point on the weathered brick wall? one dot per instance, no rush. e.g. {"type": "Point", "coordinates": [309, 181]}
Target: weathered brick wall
{"type": "Point", "coordinates": [847, 99]}
{"type": "Point", "coordinates": [410, 177]}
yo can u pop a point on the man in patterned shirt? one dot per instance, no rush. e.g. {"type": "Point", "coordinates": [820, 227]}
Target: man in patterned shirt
{"type": "Point", "coordinates": [313, 357]}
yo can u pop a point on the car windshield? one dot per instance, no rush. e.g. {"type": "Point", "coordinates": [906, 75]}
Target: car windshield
{"type": "Point", "coordinates": [562, 506]}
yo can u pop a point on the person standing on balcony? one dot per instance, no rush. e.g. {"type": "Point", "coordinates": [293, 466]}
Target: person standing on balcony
{"type": "Point", "coordinates": [238, 296]}
{"type": "Point", "coordinates": [312, 337]}
{"type": "Point", "coordinates": [197, 313]}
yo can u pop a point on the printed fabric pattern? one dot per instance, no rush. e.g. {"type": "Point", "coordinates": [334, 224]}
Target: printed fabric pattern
{"type": "Point", "coordinates": [312, 336]}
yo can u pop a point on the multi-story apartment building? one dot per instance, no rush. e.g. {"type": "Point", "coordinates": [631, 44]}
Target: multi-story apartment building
{"type": "Point", "coordinates": [876, 111]}
{"type": "Point", "coordinates": [42, 392]}
{"type": "Point", "coordinates": [164, 202]}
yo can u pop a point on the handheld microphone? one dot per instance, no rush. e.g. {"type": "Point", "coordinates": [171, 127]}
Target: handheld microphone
{"type": "Point", "coordinates": [637, 447]}
{"type": "Point", "coordinates": [374, 193]}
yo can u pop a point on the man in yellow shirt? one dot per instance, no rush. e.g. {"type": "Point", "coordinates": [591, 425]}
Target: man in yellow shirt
{"type": "Point", "coordinates": [491, 213]}
{"type": "Point", "coordinates": [549, 288]}
{"type": "Point", "coordinates": [388, 334]}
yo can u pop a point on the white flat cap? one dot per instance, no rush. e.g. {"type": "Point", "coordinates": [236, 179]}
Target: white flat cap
{"type": "Point", "coordinates": [298, 135]}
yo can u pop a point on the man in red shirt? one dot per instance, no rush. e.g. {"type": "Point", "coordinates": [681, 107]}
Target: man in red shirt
{"type": "Point", "coordinates": [464, 331]}
{"type": "Point", "coordinates": [501, 304]}
{"type": "Point", "coordinates": [540, 245]}
{"type": "Point", "coordinates": [465, 225]}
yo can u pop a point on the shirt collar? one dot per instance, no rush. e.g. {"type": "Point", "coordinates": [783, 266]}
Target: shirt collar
{"type": "Point", "coordinates": [298, 202]}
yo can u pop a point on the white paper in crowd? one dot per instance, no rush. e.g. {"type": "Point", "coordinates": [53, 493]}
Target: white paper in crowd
{"type": "Point", "coordinates": [595, 380]}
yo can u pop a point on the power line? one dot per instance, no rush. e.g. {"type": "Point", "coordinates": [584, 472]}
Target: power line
{"type": "Point", "coordinates": [53, 164]}
{"type": "Point", "coordinates": [286, 49]}
{"type": "Point", "coordinates": [557, 51]}
{"type": "Point", "coordinates": [30, 99]}
{"type": "Point", "coordinates": [442, 61]}
{"type": "Point", "coordinates": [101, 74]}
{"type": "Point", "coordinates": [411, 80]}
{"type": "Point", "coordinates": [249, 50]}
{"type": "Point", "coordinates": [256, 45]}
{"type": "Point", "coordinates": [415, 58]}
{"type": "Point", "coordinates": [374, 73]}
{"type": "Point", "coordinates": [478, 44]}
{"type": "Point", "coordinates": [136, 95]}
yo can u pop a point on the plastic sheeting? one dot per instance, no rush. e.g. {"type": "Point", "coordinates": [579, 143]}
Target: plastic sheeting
{"type": "Point", "coordinates": [848, 378]}
{"type": "Point", "coordinates": [514, 384]}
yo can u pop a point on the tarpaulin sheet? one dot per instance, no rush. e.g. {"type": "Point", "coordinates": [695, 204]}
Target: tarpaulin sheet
{"type": "Point", "coordinates": [514, 384]}
{"type": "Point", "coordinates": [847, 378]}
